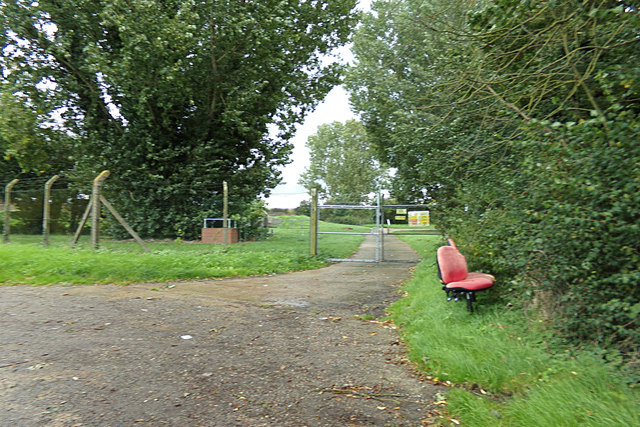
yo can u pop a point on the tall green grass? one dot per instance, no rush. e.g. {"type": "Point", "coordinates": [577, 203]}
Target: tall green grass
{"type": "Point", "coordinates": [508, 370]}
{"type": "Point", "coordinates": [25, 261]}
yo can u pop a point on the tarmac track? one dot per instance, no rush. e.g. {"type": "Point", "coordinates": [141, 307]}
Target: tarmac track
{"type": "Point", "coordinates": [282, 350]}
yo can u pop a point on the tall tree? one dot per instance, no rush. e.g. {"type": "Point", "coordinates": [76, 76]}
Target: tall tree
{"type": "Point", "coordinates": [26, 147]}
{"type": "Point", "coordinates": [519, 118]}
{"type": "Point", "coordinates": [406, 52]}
{"type": "Point", "coordinates": [343, 166]}
{"type": "Point", "coordinates": [175, 96]}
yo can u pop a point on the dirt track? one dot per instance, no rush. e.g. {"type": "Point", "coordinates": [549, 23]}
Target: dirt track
{"type": "Point", "coordinates": [282, 350]}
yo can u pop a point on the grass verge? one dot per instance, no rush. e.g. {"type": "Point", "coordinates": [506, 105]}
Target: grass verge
{"type": "Point", "coordinates": [504, 369]}
{"type": "Point", "coordinates": [25, 261]}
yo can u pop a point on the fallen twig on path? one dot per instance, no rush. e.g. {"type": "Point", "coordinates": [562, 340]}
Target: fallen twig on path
{"type": "Point", "coordinates": [360, 391]}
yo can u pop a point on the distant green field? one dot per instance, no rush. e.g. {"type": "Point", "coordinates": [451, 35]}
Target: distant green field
{"type": "Point", "coordinates": [26, 261]}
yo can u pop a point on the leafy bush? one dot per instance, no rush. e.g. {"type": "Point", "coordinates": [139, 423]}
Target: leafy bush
{"type": "Point", "coordinates": [572, 233]}
{"type": "Point", "coordinates": [505, 369]}
{"type": "Point", "coordinates": [348, 216]}
{"type": "Point", "coordinates": [252, 221]}
{"type": "Point", "coordinates": [524, 131]}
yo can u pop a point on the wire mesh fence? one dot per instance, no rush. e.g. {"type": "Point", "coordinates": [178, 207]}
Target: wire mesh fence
{"type": "Point", "coordinates": [67, 202]}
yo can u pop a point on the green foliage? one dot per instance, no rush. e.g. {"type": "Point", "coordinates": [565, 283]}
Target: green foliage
{"type": "Point", "coordinates": [520, 119]}
{"type": "Point", "coordinates": [397, 86]}
{"type": "Point", "coordinates": [506, 369]}
{"type": "Point", "coordinates": [343, 167]}
{"type": "Point", "coordinates": [304, 208]}
{"type": "Point", "coordinates": [27, 150]}
{"type": "Point", "coordinates": [174, 97]}
{"type": "Point", "coordinates": [349, 216]}
{"type": "Point", "coordinates": [252, 221]}
{"type": "Point", "coordinates": [20, 138]}
{"type": "Point", "coordinates": [586, 197]}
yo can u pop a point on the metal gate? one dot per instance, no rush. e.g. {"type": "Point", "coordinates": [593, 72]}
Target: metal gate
{"type": "Point", "coordinates": [377, 231]}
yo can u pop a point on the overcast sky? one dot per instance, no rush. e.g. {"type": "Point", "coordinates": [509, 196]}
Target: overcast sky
{"type": "Point", "coordinates": [335, 107]}
{"type": "Point", "coordinates": [289, 193]}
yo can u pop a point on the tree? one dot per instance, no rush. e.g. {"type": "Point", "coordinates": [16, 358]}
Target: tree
{"type": "Point", "coordinates": [175, 96]}
{"type": "Point", "coordinates": [343, 167]}
{"type": "Point", "coordinates": [518, 118]}
{"type": "Point", "coordinates": [27, 148]}
{"type": "Point", "coordinates": [12, 135]}
{"type": "Point", "coordinates": [406, 53]}
{"type": "Point", "coordinates": [568, 75]}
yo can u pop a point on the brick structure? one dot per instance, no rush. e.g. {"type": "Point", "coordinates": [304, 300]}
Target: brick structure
{"type": "Point", "coordinates": [216, 235]}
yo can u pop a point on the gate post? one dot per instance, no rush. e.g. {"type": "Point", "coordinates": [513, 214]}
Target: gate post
{"type": "Point", "coordinates": [379, 250]}
{"type": "Point", "coordinates": [7, 208]}
{"type": "Point", "coordinates": [313, 223]}
{"type": "Point", "coordinates": [46, 213]}
{"type": "Point", "coordinates": [382, 222]}
{"type": "Point", "coordinates": [225, 212]}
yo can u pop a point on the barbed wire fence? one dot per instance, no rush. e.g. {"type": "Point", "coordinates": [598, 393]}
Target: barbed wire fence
{"type": "Point", "coordinates": [68, 200]}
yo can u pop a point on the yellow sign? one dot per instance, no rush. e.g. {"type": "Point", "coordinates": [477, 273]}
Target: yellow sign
{"type": "Point", "coordinates": [401, 211]}
{"type": "Point", "coordinates": [401, 218]}
{"type": "Point", "coordinates": [419, 218]}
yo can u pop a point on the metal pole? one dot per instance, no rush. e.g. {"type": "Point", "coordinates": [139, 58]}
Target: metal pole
{"type": "Point", "coordinates": [313, 224]}
{"type": "Point", "coordinates": [225, 211]}
{"type": "Point", "coordinates": [47, 209]}
{"type": "Point", "coordinates": [95, 209]}
{"type": "Point", "coordinates": [381, 207]}
{"type": "Point", "coordinates": [7, 208]}
{"type": "Point", "coordinates": [378, 239]}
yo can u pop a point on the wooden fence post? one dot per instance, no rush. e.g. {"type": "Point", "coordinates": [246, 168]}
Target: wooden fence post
{"type": "Point", "coordinates": [7, 208]}
{"type": "Point", "coordinates": [95, 209]}
{"type": "Point", "coordinates": [47, 209]}
{"type": "Point", "coordinates": [313, 223]}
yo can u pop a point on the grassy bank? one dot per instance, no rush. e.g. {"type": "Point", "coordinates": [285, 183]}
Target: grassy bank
{"type": "Point", "coordinates": [25, 261]}
{"type": "Point", "coordinates": [505, 369]}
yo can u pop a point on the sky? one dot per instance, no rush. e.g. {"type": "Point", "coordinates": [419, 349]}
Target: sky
{"type": "Point", "coordinates": [289, 193]}
{"type": "Point", "coordinates": [335, 107]}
